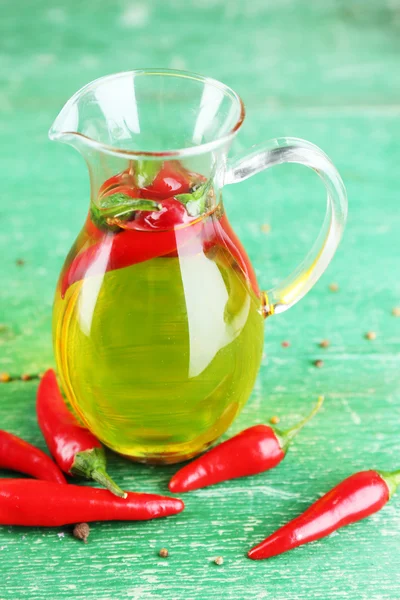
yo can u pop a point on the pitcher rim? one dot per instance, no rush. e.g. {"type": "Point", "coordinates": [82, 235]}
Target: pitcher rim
{"type": "Point", "coordinates": [174, 152]}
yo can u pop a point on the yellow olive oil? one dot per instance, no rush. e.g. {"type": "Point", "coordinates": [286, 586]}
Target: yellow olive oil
{"type": "Point", "coordinates": [158, 357]}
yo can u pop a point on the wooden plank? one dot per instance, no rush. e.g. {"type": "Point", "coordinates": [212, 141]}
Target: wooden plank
{"type": "Point", "coordinates": [324, 71]}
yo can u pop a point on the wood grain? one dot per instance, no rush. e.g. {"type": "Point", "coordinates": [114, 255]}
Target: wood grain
{"type": "Point", "coordinates": [328, 72]}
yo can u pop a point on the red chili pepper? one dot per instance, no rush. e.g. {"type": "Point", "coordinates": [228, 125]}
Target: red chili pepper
{"type": "Point", "coordinates": [74, 448]}
{"type": "Point", "coordinates": [40, 503]}
{"type": "Point", "coordinates": [122, 250]}
{"type": "Point", "coordinates": [171, 180]}
{"type": "Point", "coordinates": [172, 214]}
{"type": "Point", "coordinates": [129, 247]}
{"type": "Point", "coordinates": [124, 179]}
{"type": "Point", "coordinates": [355, 498]}
{"type": "Point", "coordinates": [18, 455]}
{"type": "Point", "coordinates": [254, 450]}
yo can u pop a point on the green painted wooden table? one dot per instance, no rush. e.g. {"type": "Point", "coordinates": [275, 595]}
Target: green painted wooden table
{"type": "Point", "coordinates": [326, 71]}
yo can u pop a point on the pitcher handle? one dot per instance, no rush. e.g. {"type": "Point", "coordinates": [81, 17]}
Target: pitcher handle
{"type": "Point", "coordinates": [294, 150]}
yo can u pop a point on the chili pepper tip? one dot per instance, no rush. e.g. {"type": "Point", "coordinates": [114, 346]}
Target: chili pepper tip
{"type": "Point", "coordinates": [255, 554]}
{"type": "Point", "coordinates": [18, 455]}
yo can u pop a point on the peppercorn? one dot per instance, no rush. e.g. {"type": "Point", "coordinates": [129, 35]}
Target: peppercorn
{"type": "Point", "coordinates": [5, 377]}
{"type": "Point", "coordinates": [25, 377]}
{"type": "Point", "coordinates": [81, 532]}
{"type": "Point", "coordinates": [274, 420]}
{"type": "Point", "coordinates": [219, 560]}
{"type": "Point", "coordinates": [318, 363]}
{"type": "Point", "coordinates": [396, 311]}
{"type": "Point", "coordinates": [20, 262]}
{"type": "Point", "coordinates": [334, 287]}
{"type": "Point", "coordinates": [163, 553]}
{"type": "Point", "coordinates": [324, 343]}
{"type": "Point", "coordinates": [285, 344]}
{"type": "Point", "coordinates": [370, 335]}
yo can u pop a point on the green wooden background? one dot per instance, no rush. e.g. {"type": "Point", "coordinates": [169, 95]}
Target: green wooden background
{"type": "Point", "coordinates": [326, 71]}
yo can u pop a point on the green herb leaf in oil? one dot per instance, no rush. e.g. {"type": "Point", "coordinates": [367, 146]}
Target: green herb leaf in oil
{"type": "Point", "coordinates": [119, 206]}
{"type": "Point", "coordinates": [196, 201]}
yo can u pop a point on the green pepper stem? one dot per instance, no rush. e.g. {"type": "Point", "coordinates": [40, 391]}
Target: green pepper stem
{"type": "Point", "coordinates": [102, 477]}
{"type": "Point", "coordinates": [392, 480]}
{"type": "Point", "coordinates": [91, 464]}
{"type": "Point", "coordinates": [146, 171]}
{"type": "Point", "coordinates": [286, 437]}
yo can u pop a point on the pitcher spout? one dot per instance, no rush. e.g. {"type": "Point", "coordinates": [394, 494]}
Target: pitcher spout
{"type": "Point", "coordinates": [132, 114]}
{"type": "Point", "coordinates": [65, 127]}
{"type": "Point", "coordinates": [132, 126]}
{"type": "Point", "coordinates": [66, 124]}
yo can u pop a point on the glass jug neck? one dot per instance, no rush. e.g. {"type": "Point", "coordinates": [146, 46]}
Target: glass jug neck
{"type": "Point", "coordinates": [153, 178]}
{"type": "Point", "coordinates": [148, 194]}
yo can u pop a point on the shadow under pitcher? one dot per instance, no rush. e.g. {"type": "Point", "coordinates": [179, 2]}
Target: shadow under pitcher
{"type": "Point", "coordinates": [158, 318]}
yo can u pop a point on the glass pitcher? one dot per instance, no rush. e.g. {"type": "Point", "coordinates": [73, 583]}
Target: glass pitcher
{"type": "Point", "coordinates": [158, 317]}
